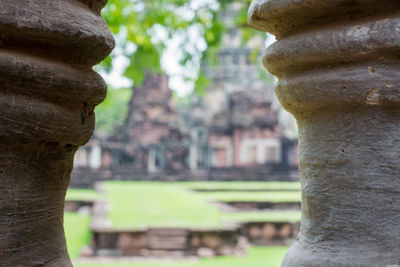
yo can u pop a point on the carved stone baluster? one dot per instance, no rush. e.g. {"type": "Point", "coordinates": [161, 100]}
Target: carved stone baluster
{"type": "Point", "coordinates": [339, 75]}
{"type": "Point", "coordinates": [48, 91]}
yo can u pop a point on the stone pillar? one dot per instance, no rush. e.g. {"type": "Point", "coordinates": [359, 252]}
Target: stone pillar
{"type": "Point", "coordinates": [193, 149]}
{"type": "Point", "coordinates": [95, 157]}
{"type": "Point", "coordinates": [339, 75]}
{"type": "Point", "coordinates": [48, 91]}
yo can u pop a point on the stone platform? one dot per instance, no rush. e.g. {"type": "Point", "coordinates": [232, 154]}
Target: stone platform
{"type": "Point", "coordinates": [263, 205]}
{"type": "Point", "coordinates": [168, 242]}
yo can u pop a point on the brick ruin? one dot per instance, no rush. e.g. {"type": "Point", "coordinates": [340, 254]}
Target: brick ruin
{"type": "Point", "coordinates": [235, 132]}
{"type": "Point", "coordinates": [179, 242]}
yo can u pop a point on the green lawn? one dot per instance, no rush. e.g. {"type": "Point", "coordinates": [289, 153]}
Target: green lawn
{"type": "Point", "coordinates": [77, 232]}
{"type": "Point", "coordinates": [88, 195]}
{"type": "Point", "coordinates": [82, 195]}
{"type": "Point", "coordinates": [265, 216]}
{"type": "Point", "coordinates": [257, 257]}
{"type": "Point", "coordinates": [273, 196]}
{"type": "Point", "coordinates": [268, 186]}
{"type": "Point", "coordinates": [142, 204]}
{"type": "Point", "coordinates": [136, 205]}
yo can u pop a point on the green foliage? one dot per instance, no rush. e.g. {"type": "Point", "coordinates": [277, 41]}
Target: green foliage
{"type": "Point", "coordinates": [113, 110]}
{"type": "Point", "coordinates": [201, 85]}
{"type": "Point", "coordinates": [143, 27]}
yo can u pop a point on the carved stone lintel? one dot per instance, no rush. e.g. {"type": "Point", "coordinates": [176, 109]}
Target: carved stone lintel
{"type": "Point", "coordinates": [48, 91]}
{"type": "Point", "coordinates": [338, 73]}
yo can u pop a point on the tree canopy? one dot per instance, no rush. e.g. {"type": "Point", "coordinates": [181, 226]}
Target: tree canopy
{"type": "Point", "coordinates": [142, 29]}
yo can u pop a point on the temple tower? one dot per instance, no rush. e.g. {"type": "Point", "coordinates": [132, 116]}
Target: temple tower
{"type": "Point", "coordinates": [234, 70]}
{"type": "Point", "coordinates": [242, 113]}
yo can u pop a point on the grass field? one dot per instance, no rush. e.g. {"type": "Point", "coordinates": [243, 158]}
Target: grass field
{"type": "Point", "coordinates": [138, 205]}
{"type": "Point", "coordinates": [265, 216]}
{"type": "Point", "coordinates": [288, 187]}
{"type": "Point", "coordinates": [157, 204]}
{"type": "Point", "coordinates": [82, 195]}
{"type": "Point", "coordinates": [268, 186]}
{"type": "Point", "coordinates": [257, 257]}
{"type": "Point", "coordinates": [273, 196]}
{"type": "Point", "coordinates": [77, 232]}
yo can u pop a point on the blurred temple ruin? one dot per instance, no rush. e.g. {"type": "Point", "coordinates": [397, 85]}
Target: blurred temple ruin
{"type": "Point", "coordinates": [238, 131]}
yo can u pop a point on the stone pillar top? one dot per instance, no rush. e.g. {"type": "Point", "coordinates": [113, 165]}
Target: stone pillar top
{"type": "Point", "coordinates": [95, 5]}
{"type": "Point", "coordinates": [48, 91]}
{"type": "Point", "coordinates": [79, 35]}
{"type": "Point", "coordinates": [284, 17]}
{"type": "Point", "coordinates": [47, 50]}
{"type": "Point", "coordinates": [335, 47]}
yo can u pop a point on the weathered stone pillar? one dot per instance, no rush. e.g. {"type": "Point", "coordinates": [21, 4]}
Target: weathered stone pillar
{"type": "Point", "coordinates": [339, 74]}
{"type": "Point", "coordinates": [47, 94]}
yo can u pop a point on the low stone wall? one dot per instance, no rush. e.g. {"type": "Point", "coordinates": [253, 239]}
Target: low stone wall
{"type": "Point", "coordinates": [255, 205]}
{"type": "Point", "coordinates": [268, 233]}
{"type": "Point", "coordinates": [179, 242]}
{"type": "Point", "coordinates": [75, 206]}
{"type": "Point", "coordinates": [243, 190]}
{"type": "Point", "coordinates": [86, 178]}
{"type": "Point", "coordinates": [168, 243]}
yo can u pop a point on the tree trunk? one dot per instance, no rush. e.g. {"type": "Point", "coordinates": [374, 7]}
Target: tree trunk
{"type": "Point", "coordinates": [48, 91]}
{"type": "Point", "coordinates": [338, 69]}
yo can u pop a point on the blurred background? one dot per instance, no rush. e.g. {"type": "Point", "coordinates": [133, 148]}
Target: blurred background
{"type": "Point", "coordinates": [193, 162]}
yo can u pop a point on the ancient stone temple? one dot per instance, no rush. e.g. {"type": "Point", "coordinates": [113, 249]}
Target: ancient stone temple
{"type": "Point", "coordinates": [150, 138]}
{"type": "Point", "coordinates": [241, 117]}
{"type": "Point", "coordinates": [242, 114]}
{"type": "Point", "coordinates": [234, 132]}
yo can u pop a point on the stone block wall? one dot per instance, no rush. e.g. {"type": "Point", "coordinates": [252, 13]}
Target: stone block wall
{"type": "Point", "coordinates": [267, 233]}
{"type": "Point", "coordinates": [86, 178]}
{"type": "Point", "coordinates": [167, 243]}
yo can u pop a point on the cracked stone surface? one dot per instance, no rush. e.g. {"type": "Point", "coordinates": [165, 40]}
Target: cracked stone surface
{"type": "Point", "coordinates": [338, 73]}
{"type": "Point", "coordinates": [48, 91]}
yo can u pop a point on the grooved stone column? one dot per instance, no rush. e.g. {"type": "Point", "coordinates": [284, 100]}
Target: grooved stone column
{"type": "Point", "coordinates": [339, 74]}
{"type": "Point", "coordinates": [48, 91]}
